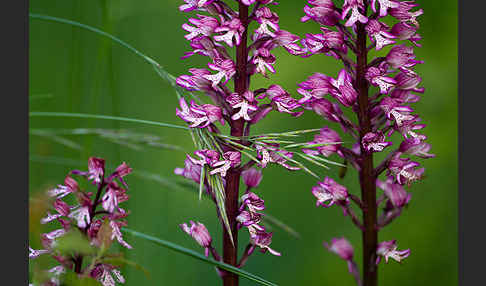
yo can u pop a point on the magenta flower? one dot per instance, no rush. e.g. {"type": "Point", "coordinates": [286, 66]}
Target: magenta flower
{"type": "Point", "coordinates": [243, 103]}
{"type": "Point", "coordinates": [282, 100]}
{"type": "Point", "coordinates": [231, 30]}
{"type": "Point", "coordinates": [394, 192]}
{"type": "Point", "coordinates": [353, 6]}
{"type": "Point", "coordinates": [344, 92]}
{"type": "Point", "coordinates": [378, 33]}
{"type": "Point", "coordinates": [379, 113]}
{"type": "Point", "coordinates": [405, 170]}
{"type": "Point", "coordinates": [268, 21]}
{"type": "Point", "coordinates": [403, 13]}
{"type": "Point", "coordinates": [315, 87]}
{"type": "Point", "coordinates": [384, 6]}
{"type": "Point", "coordinates": [323, 13]}
{"type": "Point", "coordinates": [83, 216]}
{"type": "Point", "coordinates": [329, 138]}
{"type": "Point", "coordinates": [105, 272]}
{"type": "Point", "coordinates": [376, 76]}
{"type": "Point", "coordinates": [199, 233]}
{"type": "Point", "coordinates": [247, 218]}
{"type": "Point", "coordinates": [288, 41]}
{"type": "Point", "coordinates": [70, 186]}
{"type": "Point", "coordinates": [404, 31]}
{"type": "Point", "coordinates": [408, 81]}
{"type": "Point", "coordinates": [252, 202]}
{"type": "Point", "coordinates": [33, 253]}
{"type": "Point", "coordinates": [388, 249]}
{"type": "Point", "coordinates": [252, 177]}
{"type": "Point", "coordinates": [204, 26]}
{"type": "Point", "coordinates": [344, 249]}
{"type": "Point", "coordinates": [396, 112]}
{"type": "Point", "coordinates": [96, 169]}
{"type": "Point", "coordinates": [225, 69]}
{"type": "Point", "coordinates": [262, 239]}
{"type": "Point", "coordinates": [199, 115]}
{"type": "Point", "coordinates": [402, 57]}
{"type": "Point", "coordinates": [191, 170]}
{"type": "Point", "coordinates": [374, 142]}
{"type": "Point", "coordinates": [197, 81]}
{"type": "Point", "coordinates": [329, 193]}
{"type": "Point", "coordinates": [416, 147]}
{"type": "Point", "coordinates": [263, 60]}
{"type": "Point", "coordinates": [194, 4]}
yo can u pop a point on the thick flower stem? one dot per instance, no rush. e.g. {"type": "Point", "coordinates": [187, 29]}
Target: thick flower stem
{"type": "Point", "coordinates": [230, 250]}
{"type": "Point", "coordinates": [366, 174]}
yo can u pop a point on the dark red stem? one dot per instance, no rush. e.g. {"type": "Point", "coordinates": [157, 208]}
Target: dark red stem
{"type": "Point", "coordinates": [366, 175]}
{"type": "Point", "coordinates": [230, 250]}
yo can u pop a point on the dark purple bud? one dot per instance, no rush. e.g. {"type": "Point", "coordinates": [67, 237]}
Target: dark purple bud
{"type": "Point", "coordinates": [252, 177]}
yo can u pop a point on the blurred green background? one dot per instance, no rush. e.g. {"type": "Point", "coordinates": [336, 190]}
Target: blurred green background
{"type": "Point", "coordinates": [72, 70]}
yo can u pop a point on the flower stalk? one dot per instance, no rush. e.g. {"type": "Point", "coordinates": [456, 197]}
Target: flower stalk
{"type": "Point", "coordinates": [379, 116]}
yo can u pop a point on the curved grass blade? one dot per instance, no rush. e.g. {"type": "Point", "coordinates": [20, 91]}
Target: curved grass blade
{"type": "Point", "coordinates": [58, 139]}
{"type": "Point", "coordinates": [275, 222]}
{"type": "Point", "coordinates": [93, 29]}
{"type": "Point", "coordinates": [105, 117]}
{"type": "Point", "coordinates": [188, 252]}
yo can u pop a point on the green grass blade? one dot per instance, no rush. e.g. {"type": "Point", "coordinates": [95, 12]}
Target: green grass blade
{"type": "Point", "coordinates": [275, 222]}
{"type": "Point", "coordinates": [105, 117]}
{"type": "Point", "coordinates": [189, 252]}
{"type": "Point", "coordinates": [93, 29]}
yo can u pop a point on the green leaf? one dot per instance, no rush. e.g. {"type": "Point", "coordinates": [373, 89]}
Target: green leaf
{"type": "Point", "coordinates": [72, 279]}
{"type": "Point", "coordinates": [105, 117]}
{"type": "Point", "coordinates": [74, 242]}
{"type": "Point", "coordinates": [188, 252]}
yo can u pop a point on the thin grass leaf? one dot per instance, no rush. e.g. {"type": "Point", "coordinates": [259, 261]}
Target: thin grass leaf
{"type": "Point", "coordinates": [217, 186]}
{"type": "Point", "coordinates": [269, 219]}
{"type": "Point", "coordinates": [96, 30]}
{"type": "Point", "coordinates": [201, 181]}
{"type": "Point", "coordinates": [191, 253]}
{"type": "Point", "coordinates": [325, 160]}
{"type": "Point", "coordinates": [302, 166]}
{"type": "Point", "coordinates": [157, 67]}
{"type": "Point", "coordinates": [105, 117]}
{"type": "Point", "coordinates": [58, 139]}
{"type": "Point", "coordinates": [312, 161]}
{"type": "Point", "coordinates": [307, 145]}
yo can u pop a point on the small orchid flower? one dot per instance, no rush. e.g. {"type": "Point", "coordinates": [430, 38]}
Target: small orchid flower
{"type": "Point", "coordinates": [330, 192]}
{"type": "Point", "coordinates": [344, 92]}
{"type": "Point", "coordinates": [378, 33]}
{"type": "Point", "coordinates": [388, 249]}
{"type": "Point", "coordinates": [384, 6]}
{"type": "Point", "coordinates": [231, 32]}
{"type": "Point", "coordinates": [194, 4]}
{"type": "Point", "coordinates": [353, 6]}
{"type": "Point", "coordinates": [374, 142]}
{"type": "Point", "coordinates": [199, 233]}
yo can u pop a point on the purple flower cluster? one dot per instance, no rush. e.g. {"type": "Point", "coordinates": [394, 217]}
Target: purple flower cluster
{"type": "Point", "coordinates": [379, 116]}
{"type": "Point", "coordinates": [88, 215]}
{"type": "Point", "coordinates": [211, 35]}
